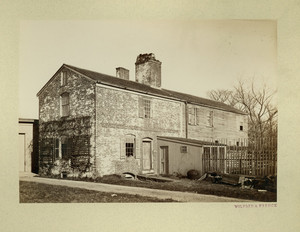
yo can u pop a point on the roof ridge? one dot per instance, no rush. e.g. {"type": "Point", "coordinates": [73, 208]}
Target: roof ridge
{"type": "Point", "coordinates": [136, 86]}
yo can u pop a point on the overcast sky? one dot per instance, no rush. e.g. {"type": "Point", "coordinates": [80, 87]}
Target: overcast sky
{"type": "Point", "coordinates": [196, 56]}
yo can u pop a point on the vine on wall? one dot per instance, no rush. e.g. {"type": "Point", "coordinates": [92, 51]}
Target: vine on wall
{"type": "Point", "coordinates": [65, 146]}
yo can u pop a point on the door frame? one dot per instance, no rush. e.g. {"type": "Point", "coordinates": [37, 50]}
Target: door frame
{"type": "Point", "coordinates": [166, 160]}
{"type": "Point", "coordinates": [150, 141]}
{"type": "Point", "coordinates": [24, 152]}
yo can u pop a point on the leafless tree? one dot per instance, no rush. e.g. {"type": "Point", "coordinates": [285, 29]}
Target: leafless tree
{"type": "Point", "coordinates": [223, 95]}
{"type": "Point", "coordinates": [256, 102]}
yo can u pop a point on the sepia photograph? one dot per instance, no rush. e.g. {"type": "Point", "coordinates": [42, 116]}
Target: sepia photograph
{"type": "Point", "coordinates": [152, 115]}
{"type": "Point", "coordinates": [147, 111]}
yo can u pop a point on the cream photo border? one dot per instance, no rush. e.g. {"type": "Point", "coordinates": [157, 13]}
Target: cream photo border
{"type": "Point", "coordinates": [148, 216]}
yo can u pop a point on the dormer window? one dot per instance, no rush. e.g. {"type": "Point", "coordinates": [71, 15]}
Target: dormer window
{"type": "Point", "coordinates": [63, 78]}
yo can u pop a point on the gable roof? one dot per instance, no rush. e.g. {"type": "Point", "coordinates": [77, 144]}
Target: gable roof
{"type": "Point", "coordinates": [138, 87]}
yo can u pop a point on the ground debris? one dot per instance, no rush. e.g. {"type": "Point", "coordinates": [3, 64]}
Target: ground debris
{"type": "Point", "coordinates": [268, 183]}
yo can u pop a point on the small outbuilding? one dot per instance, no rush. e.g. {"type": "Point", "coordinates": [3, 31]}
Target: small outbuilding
{"type": "Point", "coordinates": [179, 155]}
{"type": "Point", "coordinates": [28, 145]}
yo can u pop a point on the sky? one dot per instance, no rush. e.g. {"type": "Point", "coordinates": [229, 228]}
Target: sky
{"type": "Point", "coordinates": [197, 56]}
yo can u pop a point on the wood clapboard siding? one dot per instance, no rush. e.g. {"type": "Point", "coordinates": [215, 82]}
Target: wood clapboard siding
{"type": "Point", "coordinates": [225, 125]}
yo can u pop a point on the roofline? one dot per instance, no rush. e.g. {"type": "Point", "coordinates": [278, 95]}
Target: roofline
{"type": "Point", "coordinates": [190, 142]}
{"type": "Point", "coordinates": [68, 67]}
{"type": "Point", "coordinates": [178, 141]}
{"type": "Point", "coordinates": [138, 91]}
{"type": "Point", "coordinates": [47, 83]}
{"type": "Point", "coordinates": [27, 120]}
{"type": "Point", "coordinates": [163, 96]}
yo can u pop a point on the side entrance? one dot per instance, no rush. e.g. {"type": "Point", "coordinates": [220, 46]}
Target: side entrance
{"type": "Point", "coordinates": [164, 160]}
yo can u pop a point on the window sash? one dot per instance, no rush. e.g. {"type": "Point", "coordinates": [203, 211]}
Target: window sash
{"type": "Point", "coordinates": [129, 149]}
{"type": "Point", "coordinates": [147, 108]}
{"type": "Point", "coordinates": [210, 120]}
{"type": "Point", "coordinates": [65, 104]}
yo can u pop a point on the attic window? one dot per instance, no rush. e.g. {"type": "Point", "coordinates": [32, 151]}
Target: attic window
{"type": "Point", "coordinates": [63, 78]}
{"type": "Point", "coordinates": [241, 126]}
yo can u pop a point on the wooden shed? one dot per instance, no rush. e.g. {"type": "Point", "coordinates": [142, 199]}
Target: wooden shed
{"type": "Point", "coordinates": [28, 145]}
{"type": "Point", "coordinates": [179, 155]}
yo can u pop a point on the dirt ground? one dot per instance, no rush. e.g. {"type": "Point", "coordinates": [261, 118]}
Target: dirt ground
{"type": "Point", "coordinates": [194, 186]}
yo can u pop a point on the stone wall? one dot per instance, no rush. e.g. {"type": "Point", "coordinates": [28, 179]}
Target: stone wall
{"type": "Point", "coordinates": [82, 97]}
{"type": "Point", "coordinates": [148, 70]}
{"type": "Point", "coordinates": [118, 116]}
{"type": "Point", "coordinates": [81, 120]}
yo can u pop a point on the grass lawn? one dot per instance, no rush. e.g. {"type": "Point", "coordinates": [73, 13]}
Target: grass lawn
{"type": "Point", "coordinates": [186, 185]}
{"type": "Point", "coordinates": [31, 192]}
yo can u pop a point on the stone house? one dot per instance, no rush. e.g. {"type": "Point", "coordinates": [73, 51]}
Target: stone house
{"type": "Point", "coordinates": [104, 124]}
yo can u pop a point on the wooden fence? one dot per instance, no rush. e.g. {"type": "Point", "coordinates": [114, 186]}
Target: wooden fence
{"type": "Point", "coordinates": [257, 157]}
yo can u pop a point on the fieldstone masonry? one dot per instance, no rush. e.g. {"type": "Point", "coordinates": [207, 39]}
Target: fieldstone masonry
{"type": "Point", "coordinates": [115, 112]}
{"type": "Point", "coordinates": [148, 70]}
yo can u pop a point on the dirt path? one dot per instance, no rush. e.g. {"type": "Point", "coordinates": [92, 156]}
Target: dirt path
{"type": "Point", "coordinates": [161, 194]}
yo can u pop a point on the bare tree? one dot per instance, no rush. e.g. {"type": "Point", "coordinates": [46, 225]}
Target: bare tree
{"type": "Point", "coordinates": [256, 102]}
{"type": "Point", "coordinates": [223, 95]}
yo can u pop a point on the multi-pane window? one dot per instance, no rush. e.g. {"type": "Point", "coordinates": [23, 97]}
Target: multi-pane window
{"type": "Point", "coordinates": [63, 78]}
{"type": "Point", "coordinates": [66, 145]}
{"type": "Point", "coordinates": [183, 149]}
{"type": "Point", "coordinates": [210, 119]}
{"type": "Point", "coordinates": [56, 148]}
{"type": "Point", "coordinates": [147, 108]}
{"type": "Point", "coordinates": [130, 146]}
{"type": "Point", "coordinates": [65, 105]}
{"type": "Point", "coordinates": [144, 108]}
{"type": "Point", "coordinates": [194, 115]}
{"type": "Point", "coordinates": [129, 149]}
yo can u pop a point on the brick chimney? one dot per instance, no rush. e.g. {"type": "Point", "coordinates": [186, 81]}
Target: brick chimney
{"type": "Point", "coordinates": [122, 73]}
{"type": "Point", "coordinates": [148, 70]}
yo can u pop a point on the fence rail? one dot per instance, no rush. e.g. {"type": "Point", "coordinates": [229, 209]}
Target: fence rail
{"type": "Point", "coordinates": [257, 157]}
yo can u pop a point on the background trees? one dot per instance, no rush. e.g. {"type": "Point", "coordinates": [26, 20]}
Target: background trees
{"type": "Point", "coordinates": [258, 103]}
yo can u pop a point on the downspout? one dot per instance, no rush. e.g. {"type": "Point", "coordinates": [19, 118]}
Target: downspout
{"type": "Point", "coordinates": [95, 172]}
{"type": "Point", "coordinates": [186, 120]}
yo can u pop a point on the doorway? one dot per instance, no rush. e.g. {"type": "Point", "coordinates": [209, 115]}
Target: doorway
{"type": "Point", "coordinates": [147, 155]}
{"type": "Point", "coordinates": [164, 160]}
{"type": "Point", "coordinates": [22, 152]}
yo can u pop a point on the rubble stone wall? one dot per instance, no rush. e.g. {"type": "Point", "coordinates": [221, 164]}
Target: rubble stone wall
{"type": "Point", "coordinates": [117, 115]}
{"type": "Point", "coordinates": [81, 92]}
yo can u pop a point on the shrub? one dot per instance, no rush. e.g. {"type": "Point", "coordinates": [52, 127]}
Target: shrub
{"type": "Point", "coordinates": [193, 174]}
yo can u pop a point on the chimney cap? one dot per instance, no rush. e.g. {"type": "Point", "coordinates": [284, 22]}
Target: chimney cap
{"type": "Point", "coordinates": [143, 58]}
{"type": "Point", "coordinates": [118, 68]}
